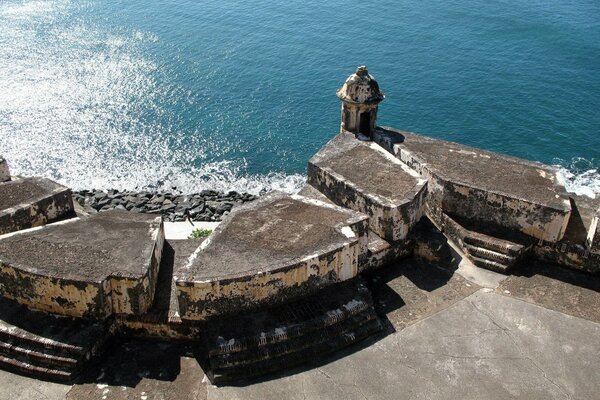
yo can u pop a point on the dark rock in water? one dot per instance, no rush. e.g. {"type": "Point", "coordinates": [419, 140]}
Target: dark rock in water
{"type": "Point", "coordinates": [222, 207]}
{"type": "Point", "coordinates": [209, 193]}
{"type": "Point", "coordinates": [196, 211]}
{"type": "Point", "coordinates": [168, 207]}
{"type": "Point", "coordinates": [158, 199]}
{"type": "Point", "coordinates": [208, 205]}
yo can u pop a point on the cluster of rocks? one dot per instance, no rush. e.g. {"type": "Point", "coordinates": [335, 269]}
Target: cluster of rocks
{"type": "Point", "coordinates": [208, 205]}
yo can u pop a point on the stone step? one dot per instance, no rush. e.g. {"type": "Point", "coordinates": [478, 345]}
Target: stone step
{"type": "Point", "coordinates": [486, 251]}
{"type": "Point", "coordinates": [489, 264]}
{"type": "Point", "coordinates": [296, 345]}
{"type": "Point", "coordinates": [290, 334]}
{"type": "Point", "coordinates": [490, 254]}
{"type": "Point", "coordinates": [46, 346]}
{"type": "Point", "coordinates": [286, 333]}
{"type": "Point", "coordinates": [10, 364]}
{"type": "Point", "coordinates": [478, 239]}
{"type": "Point", "coordinates": [343, 339]}
{"type": "Point", "coordinates": [36, 357]}
{"type": "Point", "coordinates": [16, 337]}
{"type": "Point", "coordinates": [494, 244]}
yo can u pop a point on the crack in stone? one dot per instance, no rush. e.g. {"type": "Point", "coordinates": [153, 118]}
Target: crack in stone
{"type": "Point", "coordinates": [467, 357]}
{"type": "Point", "coordinates": [521, 351]}
{"type": "Point", "coordinates": [303, 388]}
{"type": "Point", "coordinates": [358, 389]}
{"type": "Point", "coordinates": [472, 334]}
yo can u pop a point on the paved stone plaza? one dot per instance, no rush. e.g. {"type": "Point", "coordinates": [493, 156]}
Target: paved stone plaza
{"type": "Point", "coordinates": [447, 337]}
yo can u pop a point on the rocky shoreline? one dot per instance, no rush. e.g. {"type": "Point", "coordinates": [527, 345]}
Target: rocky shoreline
{"type": "Point", "coordinates": [207, 205]}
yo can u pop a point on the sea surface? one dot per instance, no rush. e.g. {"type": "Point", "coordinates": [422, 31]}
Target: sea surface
{"type": "Point", "coordinates": [239, 94]}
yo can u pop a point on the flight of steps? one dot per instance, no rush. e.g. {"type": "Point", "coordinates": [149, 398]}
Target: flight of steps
{"type": "Point", "coordinates": [47, 347]}
{"type": "Point", "coordinates": [486, 251]}
{"type": "Point", "coordinates": [252, 345]}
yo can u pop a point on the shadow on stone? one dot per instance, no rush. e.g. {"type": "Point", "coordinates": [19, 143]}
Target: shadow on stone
{"type": "Point", "coordinates": [316, 363]}
{"type": "Point", "coordinates": [126, 362]}
{"type": "Point", "coordinates": [556, 272]}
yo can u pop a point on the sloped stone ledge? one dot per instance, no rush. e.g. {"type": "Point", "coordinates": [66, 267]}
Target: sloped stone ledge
{"type": "Point", "coordinates": [31, 202]}
{"type": "Point", "coordinates": [363, 177]}
{"type": "Point", "coordinates": [507, 191]}
{"type": "Point", "coordinates": [306, 245]}
{"type": "Point", "coordinates": [84, 268]}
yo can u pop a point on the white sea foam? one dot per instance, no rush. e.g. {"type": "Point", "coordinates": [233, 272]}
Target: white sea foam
{"type": "Point", "coordinates": [580, 176]}
{"type": "Point", "coordinates": [85, 107]}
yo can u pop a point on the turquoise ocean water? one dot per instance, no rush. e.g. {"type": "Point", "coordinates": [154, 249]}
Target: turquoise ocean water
{"type": "Point", "coordinates": [239, 94]}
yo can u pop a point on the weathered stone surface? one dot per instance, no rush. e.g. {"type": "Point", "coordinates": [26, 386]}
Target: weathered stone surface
{"type": "Point", "coordinates": [548, 285]}
{"type": "Point", "coordinates": [4, 171]}
{"type": "Point", "coordinates": [94, 267]}
{"type": "Point", "coordinates": [29, 202]}
{"type": "Point", "coordinates": [381, 253]}
{"type": "Point", "coordinates": [268, 251]}
{"type": "Point", "coordinates": [162, 321]}
{"type": "Point", "coordinates": [363, 177]}
{"type": "Point", "coordinates": [486, 346]}
{"type": "Point", "coordinates": [360, 96]}
{"type": "Point", "coordinates": [143, 370]}
{"type": "Point", "coordinates": [493, 188]}
{"type": "Point", "coordinates": [579, 248]}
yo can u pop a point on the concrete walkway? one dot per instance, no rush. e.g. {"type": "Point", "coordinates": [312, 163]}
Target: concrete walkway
{"type": "Point", "coordinates": [486, 346]}
{"type": "Point", "coordinates": [448, 338]}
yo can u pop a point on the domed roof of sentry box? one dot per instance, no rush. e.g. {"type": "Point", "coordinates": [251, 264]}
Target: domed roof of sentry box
{"type": "Point", "coordinates": [360, 88]}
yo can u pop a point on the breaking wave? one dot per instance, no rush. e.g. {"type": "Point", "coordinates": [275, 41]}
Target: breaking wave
{"type": "Point", "coordinates": [581, 176]}
{"type": "Point", "coordinates": [91, 108]}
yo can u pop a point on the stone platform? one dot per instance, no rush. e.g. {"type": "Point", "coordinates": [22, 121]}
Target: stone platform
{"type": "Point", "coordinates": [269, 251]}
{"type": "Point", "coordinates": [379, 251]}
{"type": "Point", "coordinates": [362, 176]}
{"type": "Point", "coordinates": [472, 183]}
{"type": "Point", "coordinates": [30, 202]}
{"type": "Point", "coordinates": [93, 267]}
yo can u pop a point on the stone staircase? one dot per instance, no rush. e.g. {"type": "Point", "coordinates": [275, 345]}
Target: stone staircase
{"type": "Point", "coordinates": [485, 249]}
{"type": "Point", "coordinates": [44, 346]}
{"type": "Point", "coordinates": [284, 336]}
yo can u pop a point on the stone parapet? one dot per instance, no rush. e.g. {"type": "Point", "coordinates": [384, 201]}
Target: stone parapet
{"type": "Point", "coordinates": [95, 267]}
{"type": "Point", "coordinates": [269, 251]}
{"type": "Point", "coordinates": [363, 177]}
{"type": "Point", "coordinates": [495, 189]}
{"type": "Point", "coordinates": [4, 171]}
{"type": "Point", "coordinates": [30, 202]}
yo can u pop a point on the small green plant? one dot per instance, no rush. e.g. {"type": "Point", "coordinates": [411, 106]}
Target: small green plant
{"type": "Point", "coordinates": [200, 233]}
